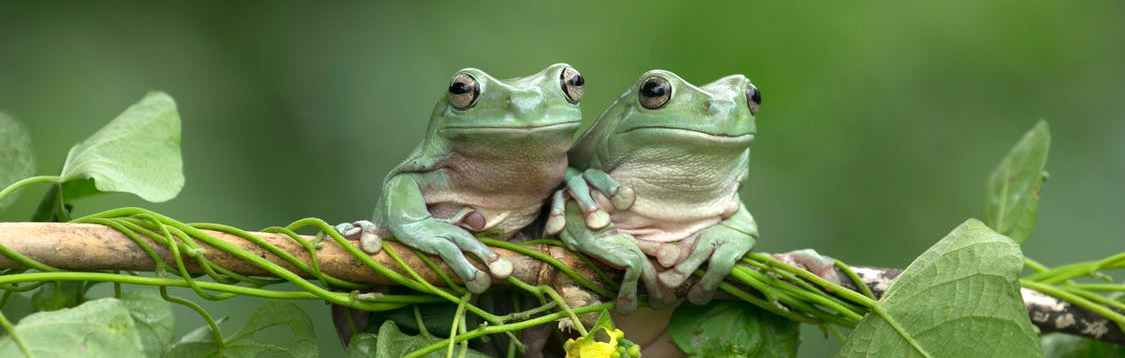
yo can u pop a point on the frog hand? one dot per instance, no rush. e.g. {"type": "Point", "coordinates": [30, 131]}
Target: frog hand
{"type": "Point", "coordinates": [439, 237]}
{"type": "Point", "coordinates": [580, 186]}
{"type": "Point", "coordinates": [722, 247]}
{"type": "Point", "coordinates": [369, 235]}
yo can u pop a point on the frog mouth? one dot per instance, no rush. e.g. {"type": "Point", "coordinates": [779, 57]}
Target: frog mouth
{"type": "Point", "coordinates": [520, 129]}
{"type": "Point", "coordinates": [714, 137]}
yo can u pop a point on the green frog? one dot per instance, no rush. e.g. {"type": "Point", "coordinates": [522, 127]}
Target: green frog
{"type": "Point", "coordinates": [657, 175]}
{"type": "Point", "coordinates": [493, 153]}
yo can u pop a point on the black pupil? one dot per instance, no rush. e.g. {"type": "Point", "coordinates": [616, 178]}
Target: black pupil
{"type": "Point", "coordinates": [459, 88]}
{"type": "Point", "coordinates": [654, 89]}
{"type": "Point", "coordinates": [576, 80]}
{"type": "Point", "coordinates": [755, 96]}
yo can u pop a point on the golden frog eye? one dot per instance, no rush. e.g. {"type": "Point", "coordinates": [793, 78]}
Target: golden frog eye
{"type": "Point", "coordinates": [655, 92]}
{"type": "Point", "coordinates": [573, 85]}
{"type": "Point", "coordinates": [463, 91]}
{"type": "Point", "coordinates": [753, 99]}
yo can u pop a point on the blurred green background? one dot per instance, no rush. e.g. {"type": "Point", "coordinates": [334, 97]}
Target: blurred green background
{"type": "Point", "coordinates": [879, 126]}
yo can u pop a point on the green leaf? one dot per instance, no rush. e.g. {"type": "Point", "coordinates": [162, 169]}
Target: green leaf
{"type": "Point", "coordinates": [1012, 195]}
{"type": "Point", "coordinates": [270, 315]}
{"type": "Point", "coordinates": [98, 328]}
{"type": "Point", "coordinates": [732, 329]}
{"type": "Point", "coordinates": [59, 295]}
{"type": "Point", "coordinates": [438, 318]}
{"type": "Point", "coordinates": [1058, 345]}
{"type": "Point", "coordinates": [962, 295]}
{"type": "Point", "coordinates": [17, 307]}
{"type": "Point", "coordinates": [363, 345]}
{"type": "Point", "coordinates": [16, 159]}
{"type": "Point", "coordinates": [392, 343]}
{"type": "Point", "coordinates": [203, 333]}
{"type": "Point", "coordinates": [138, 152]}
{"type": "Point", "coordinates": [152, 315]}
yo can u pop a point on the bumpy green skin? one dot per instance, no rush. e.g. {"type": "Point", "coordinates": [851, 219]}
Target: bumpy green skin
{"type": "Point", "coordinates": [488, 168]}
{"type": "Point", "coordinates": [671, 191]}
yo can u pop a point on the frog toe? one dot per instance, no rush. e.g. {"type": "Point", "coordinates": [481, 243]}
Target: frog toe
{"type": "Point", "coordinates": [501, 268]}
{"type": "Point", "coordinates": [664, 299]}
{"type": "Point", "coordinates": [671, 278]}
{"type": "Point", "coordinates": [371, 244]}
{"type": "Point", "coordinates": [597, 219]}
{"type": "Point", "coordinates": [366, 232]}
{"type": "Point", "coordinates": [479, 283]}
{"type": "Point", "coordinates": [810, 260]}
{"type": "Point", "coordinates": [347, 230]}
{"type": "Point", "coordinates": [624, 198]}
{"type": "Point", "coordinates": [555, 225]}
{"type": "Point", "coordinates": [699, 295]}
{"type": "Point", "coordinates": [626, 304]}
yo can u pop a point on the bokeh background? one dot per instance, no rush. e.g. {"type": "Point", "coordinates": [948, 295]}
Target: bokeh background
{"type": "Point", "coordinates": [879, 125]}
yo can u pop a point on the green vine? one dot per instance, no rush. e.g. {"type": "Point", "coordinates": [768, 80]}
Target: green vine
{"type": "Point", "coordinates": [761, 280]}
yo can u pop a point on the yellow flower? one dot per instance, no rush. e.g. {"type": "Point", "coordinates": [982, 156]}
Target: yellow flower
{"type": "Point", "coordinates": [602, 343]}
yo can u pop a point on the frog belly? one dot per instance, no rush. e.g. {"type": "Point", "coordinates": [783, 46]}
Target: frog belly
{"type": "Point", "coordinates": [646, 228]}
{"type": "Point", "coordinates": [661, 215]}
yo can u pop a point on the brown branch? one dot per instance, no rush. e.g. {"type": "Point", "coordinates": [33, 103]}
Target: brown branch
{"type": "Point", "coordinates": [88, 247]}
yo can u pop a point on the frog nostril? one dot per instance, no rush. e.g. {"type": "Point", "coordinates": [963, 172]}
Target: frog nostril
{"type": "Point", "coordinates": [718, 106]}
{"type": "Point", "coordinates": [525, 102]}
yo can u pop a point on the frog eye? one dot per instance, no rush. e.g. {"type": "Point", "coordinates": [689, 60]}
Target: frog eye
{"type": "Point", "coordinates": [463, 91]}
{"type": "Point", "coordinates": [753, 99]}
{"type": "Point", "coordinates": [655, 92]}
{"type": "Point", "coordinates": [573, 85]}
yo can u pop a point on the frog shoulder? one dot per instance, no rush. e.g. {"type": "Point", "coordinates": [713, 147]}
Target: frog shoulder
{"type": "Point", "coordinates": [423, 159]}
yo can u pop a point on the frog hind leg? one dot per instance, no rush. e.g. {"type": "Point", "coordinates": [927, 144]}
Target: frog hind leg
{"type": "Point", "coordinates": [721, 247]}
{"type": "Point", "coordinates": [615, 249]}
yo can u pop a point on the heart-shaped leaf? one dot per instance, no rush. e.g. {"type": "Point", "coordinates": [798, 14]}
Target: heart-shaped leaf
{"type": "Point", "coordinates": [138, 152]}
{"type": "Point", "coordinates": [390, 342]}
{"type": "Point", "coordinates": [243, 344]}
{"type": "Point", "coordinates": [961, 298]}
{"type": "Point", "coordinates": [98, 328]}
{"type": "Point", "coordinates": [152, 315]}
{"type": "Point", "coordinates": [732, 329]}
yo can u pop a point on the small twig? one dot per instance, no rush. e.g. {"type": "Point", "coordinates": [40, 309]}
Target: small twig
{"type": "Point", "coordinates": [89, 247]}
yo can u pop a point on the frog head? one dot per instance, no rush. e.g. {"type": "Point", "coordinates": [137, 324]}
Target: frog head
{"type": "Point", "coordinates": [661, 114]}
{"type": "Point", "coordinates": [663, 106]}
{"type": "Point", "coordinates": [479, 112]}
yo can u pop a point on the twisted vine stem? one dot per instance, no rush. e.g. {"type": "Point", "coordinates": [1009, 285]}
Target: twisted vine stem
{"type": "Point", "coordinates": [244, 263]}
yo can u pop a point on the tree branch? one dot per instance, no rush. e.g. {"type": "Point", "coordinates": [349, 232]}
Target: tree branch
{"type": "Point", "coordinates": [88, 247]}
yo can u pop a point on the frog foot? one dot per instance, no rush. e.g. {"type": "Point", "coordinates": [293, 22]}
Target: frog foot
{"type": "Point", "coordinates": [480, 281]}
{"type": "Point", "coordinates": [811, 261]}
{"type": "Point", "coordinates": [451, 243]}
{"type": "Point", "coordinates": [721, 247]}
{"type": "Point", "coordinates": [366, 232]}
